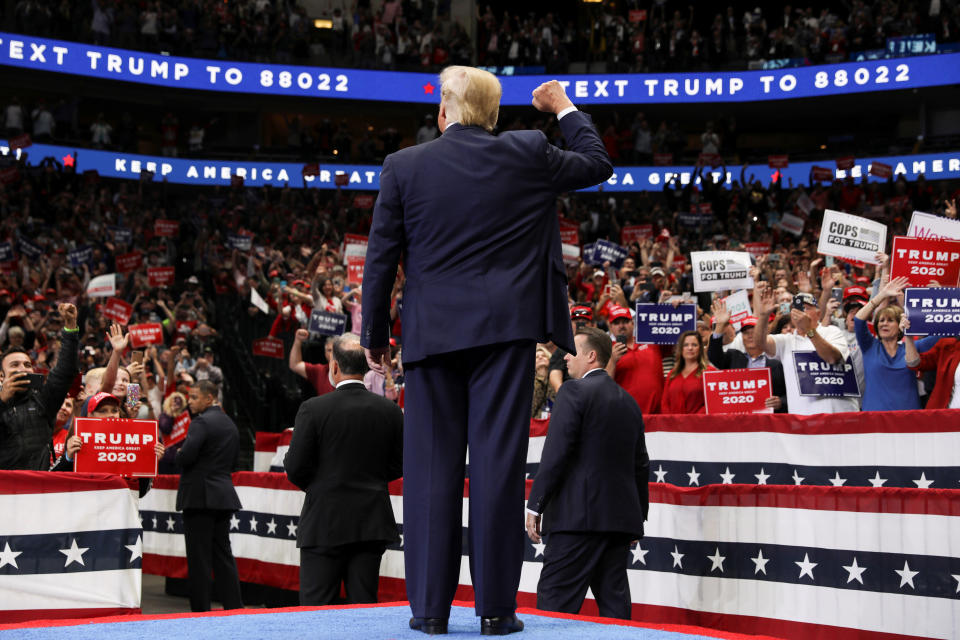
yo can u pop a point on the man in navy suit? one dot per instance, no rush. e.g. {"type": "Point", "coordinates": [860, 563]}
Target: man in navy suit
{"type": "Point", "coordinates": [590, 496]}
{"type": "Point", "coordinates": [474, 216]}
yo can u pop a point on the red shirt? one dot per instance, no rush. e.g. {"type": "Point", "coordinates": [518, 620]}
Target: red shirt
{"type": "Point", "coordinates": [944, 359]}
{"type": "Point", "coordinates": [684, 394]}
{"type": "Point", "coordinates": [640, 373]}
{"type": "Point", "coordinates": [318, 376]}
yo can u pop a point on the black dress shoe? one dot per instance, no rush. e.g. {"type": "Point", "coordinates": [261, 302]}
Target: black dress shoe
{"type": "Point", "coordinates": [500, 626]}
{"type": "Point", "coordinates": [430, 626]}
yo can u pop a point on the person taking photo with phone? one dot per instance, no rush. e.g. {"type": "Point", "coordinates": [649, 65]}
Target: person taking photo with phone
{"type": "Point", "coordinates": [638, 368]}
{"type": "Point", "coordinates": [29, 404]}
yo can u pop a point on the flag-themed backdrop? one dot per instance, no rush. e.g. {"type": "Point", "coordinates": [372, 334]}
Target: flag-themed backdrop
{"type": "Point", "coordinates": [70, 546]}
{"type": "Point", "coordinates": [831, 526]}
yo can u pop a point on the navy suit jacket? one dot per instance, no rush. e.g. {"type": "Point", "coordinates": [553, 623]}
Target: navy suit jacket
{"type": "Point", "coordinates": [594, 470]}
{"type": "Point", "coordinates": [474, 217]}
{"type": "Point", "coordinates": [207, 459]}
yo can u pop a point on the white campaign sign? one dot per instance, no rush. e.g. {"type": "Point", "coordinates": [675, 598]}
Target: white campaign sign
{"type": "Point", "coordinates": [738, 304]}
{"type": "Point", "coordinates": [792, 224]}
{"type": "Point", "coordinates": [852, 237]}
{"type": "Point", "coordinates": [721, 270]}
{"type": "Point", "coordinates": [931, 227]}
{"type": "Point", "coordinates": [104, 286]}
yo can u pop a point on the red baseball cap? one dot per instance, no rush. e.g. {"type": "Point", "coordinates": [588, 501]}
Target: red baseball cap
{"type": "Point", "coordinates": [862, 279]}
{"type": "Point", "coordinates": [749, 321]}
{"type": "Point", "coordinates": [855, 292]}
{"type": "Point", "coordinates": [99, 399]}
{"type": "Point", "coordinates": [618, 312]}
{"type": "Point", "coordinates": [581, 312]}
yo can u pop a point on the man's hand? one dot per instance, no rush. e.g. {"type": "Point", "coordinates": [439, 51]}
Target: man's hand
{"type": "Point", "coordinates": [773, 402]}
{"type": "Point", "coordinates": [533, 527]}
{"type": "Point", "coordinates": [801, 321]}
{"type": "Point", "coordinates": [117, 338]}
{"type": "Point", "coordinates": [376, 359]}
{"type": "Point", "coordinates": [73, 446]}
{"type": "Point", "coordinates": [720, 314]}
{"type": "Point", "coordinates": [14, 384]}
{"type": "Point", "coordinates": [551, 97]}
{"type": "Point", "coordinates": [301, 335]}
{"type": "Point", "coordinates": [619, 349]}
{"type": "Point", "coordinates": [69, 314]}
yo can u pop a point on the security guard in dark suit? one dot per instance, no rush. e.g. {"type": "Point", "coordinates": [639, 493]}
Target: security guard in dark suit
{"type": "Point", "coordinates": [591, 487]}
{"type": "Point", "coordinates": [207, 498]}
{"type": "Point", "coordinates": [346, 446]}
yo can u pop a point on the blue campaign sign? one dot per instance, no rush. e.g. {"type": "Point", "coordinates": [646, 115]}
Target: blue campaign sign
{"type": "Point", "coordinates": [327, 323]}
{"type": "Point", "coordinates": [122, 235]}
{"type": "Point", "coordinates": [817, 377]}
{"type": "Point", "coordinates": [588, 253]}
{"type": "Point", "coordinates": [239, 242]}
{"type": "Point", "coordinates": [933, 311]}
{"type": "Point", "coordinates": [28, 248]}
{"type": "Point", "coordinates": [80, 255]}
{"type": "Point", "coordinates": [662, 323]}
{"type": "Point", "coordinates": [113, 164]}
{"type": "Point", "coordinates": [42, 54]}
{"type": "Point", "coordinates": [6, 252]}
{"type": "Point", "coordinates": [604, 250]}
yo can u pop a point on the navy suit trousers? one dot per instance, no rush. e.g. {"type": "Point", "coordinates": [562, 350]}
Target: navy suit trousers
{"type": "Point", "coordinates": [481, 397]}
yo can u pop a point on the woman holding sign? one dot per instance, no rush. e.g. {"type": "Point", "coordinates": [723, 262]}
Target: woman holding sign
{"type": "Point", "coordinates": [890, 385]}
{"type": "Point", "coordinates": [683, 390]}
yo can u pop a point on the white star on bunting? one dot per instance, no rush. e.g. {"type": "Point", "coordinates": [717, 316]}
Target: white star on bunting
{"type": "Point", "coordinates": [761, 477]}
{"type": "Point", "coordinates": [639, 555]}
{"type": "Point", "coordinates": [8, 556]}
{"type": "Point", "coordinates": [837, 481]}
{"type": "Point", "coordinates": [806, 567]}
{"type": "Point", "coordinates": [234, 522]}
{"type": "Point", "coordinates": [954, 576]}
{"type": "Point", "coordinates": [74, 554]}
{"type": "Point", "coordinates": [728, 477]}
{"type": "Point", "coordinates": [855, 572]}
{"type": "Point", "coordinates": [906, 576]}
{"type": "Point", "coordinates": [538, 548]}
{"type": "Point", "coordinates": [876, 480]}
{"type": "Point", "coordinates": [694, 476]}
{"type": "Point", "coordinates": [154, 522]}
{"type": "Point", "coordinates": [253, 522]}
{"type": "Point", "coordinates": [170, 523]}
{"type": "Point", "coordinates": [717, 560]}
{"type": "Point", "coordinates": [797, 478]}
{"type": "Point", "coordinates": [272, 527]}
{"type": "Point", "coordinates": [760, 562]}
{"type": "Point", "coordinates": [136, 549]}
{"type": "Point", "coordinates": [677, 557]}
{"type": "Point", "coordinates": [923, 483]}
{"type": "Point", "coordinates": [661, 474]}
{"type": "Point", "coordinates": [291, 529]}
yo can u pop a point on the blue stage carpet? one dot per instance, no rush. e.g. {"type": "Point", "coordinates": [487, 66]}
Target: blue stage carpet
{"type": "Point", "coordinates": [343, 624]}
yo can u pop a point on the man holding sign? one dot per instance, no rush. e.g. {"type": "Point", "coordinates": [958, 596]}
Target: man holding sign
{"type": "Point", "coordinates": [831, 353]}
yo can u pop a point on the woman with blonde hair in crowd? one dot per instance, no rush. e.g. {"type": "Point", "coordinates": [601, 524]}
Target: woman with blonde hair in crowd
{"type": "Point", "coordinates": [683, 389]}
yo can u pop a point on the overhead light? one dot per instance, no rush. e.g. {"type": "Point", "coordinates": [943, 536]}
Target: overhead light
{"type": "Point", "coordinates": [322, 23]}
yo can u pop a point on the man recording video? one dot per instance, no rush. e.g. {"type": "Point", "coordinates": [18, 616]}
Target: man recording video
{"type": "Point", "coordinates": [29, 405]}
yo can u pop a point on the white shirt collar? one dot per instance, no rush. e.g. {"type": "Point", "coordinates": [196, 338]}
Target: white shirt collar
{"type": "Point", "coordinates": [450, 124]}
{"type": "Point", "coordinates": [346, 382]}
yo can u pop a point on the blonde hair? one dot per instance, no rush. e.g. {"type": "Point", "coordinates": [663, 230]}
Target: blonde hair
{"type": "Point", "coordinates": [472, 96]}
{"type": "Point", "coordinates": [168, 403]}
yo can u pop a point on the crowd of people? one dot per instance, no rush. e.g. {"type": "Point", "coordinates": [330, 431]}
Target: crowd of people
{"type": "Point", "coordinates": [296, 263]}
{"type": "Point", "coordinates": [395, 34]}
{"type": "Point", "coordinates": [419, 35]}
{"type": "Point", "coordinates": [640, 37]}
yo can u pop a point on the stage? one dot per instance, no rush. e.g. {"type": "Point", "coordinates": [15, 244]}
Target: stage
{"type": "Point", "coordinates": [360, 622]}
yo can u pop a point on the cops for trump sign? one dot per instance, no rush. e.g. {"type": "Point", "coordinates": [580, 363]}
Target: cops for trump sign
{"type": "Point", "coordinates": [845, 236]}
{"type": "Point", "coordinates": [721, 270]}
